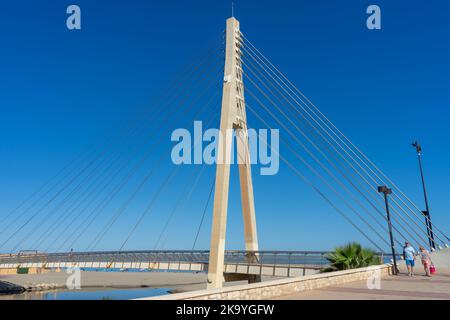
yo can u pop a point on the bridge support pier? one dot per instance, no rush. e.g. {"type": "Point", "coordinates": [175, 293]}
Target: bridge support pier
{"type": "Point", "coordinates": [233, 117]}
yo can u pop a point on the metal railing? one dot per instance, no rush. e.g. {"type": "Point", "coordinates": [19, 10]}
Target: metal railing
{"type": "Point", "coordinates": [200, 256]}
{"type": "Point", "coordinates": [182, 260]}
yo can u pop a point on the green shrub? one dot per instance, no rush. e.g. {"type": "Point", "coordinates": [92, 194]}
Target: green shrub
{"type": "Point", "coordinates": [351, 256]}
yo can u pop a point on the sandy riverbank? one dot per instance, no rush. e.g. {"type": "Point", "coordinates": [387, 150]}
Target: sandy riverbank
{"type": "Point", "coordinates": [177, 282]}
{"type": "Point", "coordinates": [89, 279]}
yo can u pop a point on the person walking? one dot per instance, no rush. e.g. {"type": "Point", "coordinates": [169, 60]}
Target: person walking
{"type": "Point", "coordinates": [409, 254]}
{"type": "Point", "coordinates": [426, 260]}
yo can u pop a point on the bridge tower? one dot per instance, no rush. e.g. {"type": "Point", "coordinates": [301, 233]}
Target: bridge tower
{"type": "Point", "coordinates": [233, 119]}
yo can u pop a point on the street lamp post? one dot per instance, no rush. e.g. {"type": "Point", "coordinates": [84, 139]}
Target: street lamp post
{"type": "Point", "coordinates": [386, 191]}
{"type": "Point", "coordinates": [426, 213]}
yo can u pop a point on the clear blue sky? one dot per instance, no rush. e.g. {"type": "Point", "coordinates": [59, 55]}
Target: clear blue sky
{"type": "Point", "coordinates": [63, 91]}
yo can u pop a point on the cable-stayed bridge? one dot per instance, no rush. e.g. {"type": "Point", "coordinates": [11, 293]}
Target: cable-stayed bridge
{"type": "Point", "coordinates": [269, 263]}
{"type": "Point", "coordinates": [91, 198]}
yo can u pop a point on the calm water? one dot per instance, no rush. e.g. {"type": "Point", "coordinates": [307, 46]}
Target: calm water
{"type": "Point", "coordinates": [89, 294]}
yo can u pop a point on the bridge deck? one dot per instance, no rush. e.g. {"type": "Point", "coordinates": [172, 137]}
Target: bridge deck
{"type": "Point", "coordinates": [264, 263]}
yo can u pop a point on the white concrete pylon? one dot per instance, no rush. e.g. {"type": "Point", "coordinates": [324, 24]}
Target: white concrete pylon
{"type": "Point", "coordinates": [233, 117]}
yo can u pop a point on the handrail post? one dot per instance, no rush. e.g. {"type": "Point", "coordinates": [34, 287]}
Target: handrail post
{"type": "Point", "coordinates": [274, 262]}
{"type": "Point", "coordinates": [289, 264]}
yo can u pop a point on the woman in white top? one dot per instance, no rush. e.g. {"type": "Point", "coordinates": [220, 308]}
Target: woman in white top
{"type": "Point", "coordinates": [426, 260]}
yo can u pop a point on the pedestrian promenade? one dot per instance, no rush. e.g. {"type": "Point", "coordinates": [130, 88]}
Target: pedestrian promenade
{"type": "Point", "coordinates": [391, 288]}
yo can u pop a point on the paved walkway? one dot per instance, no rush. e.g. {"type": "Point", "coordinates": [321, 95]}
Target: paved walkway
{"type": "Point", "coordinates": [392, 288]}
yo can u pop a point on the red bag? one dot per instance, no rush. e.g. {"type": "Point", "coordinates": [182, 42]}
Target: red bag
{"type": "Point", "coordinates": [432, 269]}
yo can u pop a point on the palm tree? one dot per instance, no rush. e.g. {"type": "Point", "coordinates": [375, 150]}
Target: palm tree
{"type": "Point", "coordinates": [351, 256]}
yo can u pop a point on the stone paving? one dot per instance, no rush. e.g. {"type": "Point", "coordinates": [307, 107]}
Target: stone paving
{"type": "Point", "coordinates": [398, 287]}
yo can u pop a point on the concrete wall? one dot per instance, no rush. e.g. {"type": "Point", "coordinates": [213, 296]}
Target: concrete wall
{"type": "Point", "coordinates": [275, 288]}
{"type": "Point", "coordinates": [33, 270]}
{"type": "Point", "coordinates": [8, 271]}
{"type": "Point", "coordinates": [441, 259]}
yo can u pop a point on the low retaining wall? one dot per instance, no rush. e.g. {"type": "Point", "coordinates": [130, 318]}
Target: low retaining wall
{"type": "Point", "coordinates": [8, 271]}
{"type": "Point", "coordinates": [276, 288]}
{"type": "Point", "coordinates": [279, 270]}
{"type": "Point", "coordinates": [441, 259]}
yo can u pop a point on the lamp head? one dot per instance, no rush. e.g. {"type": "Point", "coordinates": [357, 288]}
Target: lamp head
{"type": "Point", "coordinates": [418, 147]}
{"type": "Point", "coordinates": [384, 189]}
